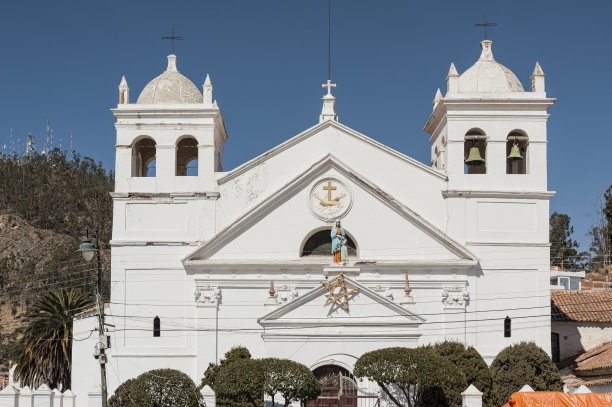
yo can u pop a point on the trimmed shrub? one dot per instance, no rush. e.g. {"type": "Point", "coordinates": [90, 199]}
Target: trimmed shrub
{"type": "Point", "coordinates": [292, 380]}
{"type": "Point", "coordinates": [240, 383]}
{"type": "Point", "coordinates": [157, 388]}
{"type": "Point", "coordinates": [524, 363]}
{"type": "Point", "coordinates": [232, 355]}
{"type": "Point", "coordinates": [474, 368]}
{"type": "Point", "coordinates": [416, 377]}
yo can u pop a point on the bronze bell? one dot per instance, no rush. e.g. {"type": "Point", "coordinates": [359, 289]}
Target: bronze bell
{"type": "Point", "coordinates": [474, 158]}
{"type": "Point", "coordinates": [515, 152]}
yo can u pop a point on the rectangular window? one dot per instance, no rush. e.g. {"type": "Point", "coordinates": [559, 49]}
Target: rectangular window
{"type": "Point", "coordinates": [564, 282]}
{"type": "Point", "coordinates": [574, 284]}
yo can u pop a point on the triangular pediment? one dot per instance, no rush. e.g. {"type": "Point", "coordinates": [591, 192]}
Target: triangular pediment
{"type": "Point", "coordinates": [364, 307]}
{"type": "Point", "coordinates": [273, 229]}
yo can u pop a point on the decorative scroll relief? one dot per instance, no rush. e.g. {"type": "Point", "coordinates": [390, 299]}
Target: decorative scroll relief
{"type": "Point", "coordinates": [207, 295]}
{"type": "Point", "coordinates": [330, 199]}
{"type": "Point", "coordinates": [455, 297]}
{"type": "Point", "coordinates": [384, 291]}
{"type": "Point", "coordinates": [285, 294]}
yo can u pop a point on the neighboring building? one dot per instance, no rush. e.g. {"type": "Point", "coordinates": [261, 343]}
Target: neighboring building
{"type": "Point", "coordinates": [581, 321]}
{"type": "Point", "coordinates": [205, 259]}
{"type": "Point", "coordinates": [565, 280]}
{"type": "Point", "coordinates": [592, 369]}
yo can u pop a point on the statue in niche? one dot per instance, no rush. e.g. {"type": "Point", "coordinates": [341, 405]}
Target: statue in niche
{"type": "Point", "coordinates": [339, 244]}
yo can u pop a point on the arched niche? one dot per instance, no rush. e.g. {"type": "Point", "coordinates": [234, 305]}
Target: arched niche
{"type": "Point", "coordinates": [514, 164]}
{"type": "Point", "coordinates": [144, 152]}
{"type": "Point", "coordinates": [187, 157]}
{"type": "Point", "coordinates": [475, 138]}
{"type": "Point", "coordinates": [318, 243]}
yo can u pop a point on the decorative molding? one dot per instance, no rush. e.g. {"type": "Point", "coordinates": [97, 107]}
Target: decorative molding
{"type": "Point", "coordinates": [458, 193]}
{"type": "Point", "coordinates": [509, 244]}
{"type": "Point", "coordinates": [312, 131]}
{"type": "Point", "coordinates": [285, 293]}
{"type": "Point", "coordinates": [455, 297]}
{"type": "Point", "coordinates": [334, 207]}
{"type": "Point", "coordinates": [207, 295]}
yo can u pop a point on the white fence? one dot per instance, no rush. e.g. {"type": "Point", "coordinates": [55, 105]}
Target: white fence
{"type": "Point", "coordinates": [41, 397]}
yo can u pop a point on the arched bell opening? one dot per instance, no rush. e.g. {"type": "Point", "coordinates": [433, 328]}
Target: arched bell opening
{"type": "Point", "coordinates": [143, 158]}
{"type": "Point", "coordinates": [475, 152]}
{"type": "Point", "coordinates": [187, 157]}
{"type": "Point", "coordinates": [517, 144]}
{"type": "Point", "coordinates": [319, 243]}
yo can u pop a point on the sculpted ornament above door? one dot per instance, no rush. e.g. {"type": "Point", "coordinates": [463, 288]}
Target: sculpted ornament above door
{"type": "Point", "coordinates": [330, 199]}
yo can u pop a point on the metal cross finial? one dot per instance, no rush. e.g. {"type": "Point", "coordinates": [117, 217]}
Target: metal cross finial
{"type": "Point", "coordinates": [485, 25]}
{"type": "Point", "coordinates": [173, 38]}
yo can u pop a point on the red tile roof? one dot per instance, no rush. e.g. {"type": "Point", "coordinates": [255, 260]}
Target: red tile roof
{"type": "Point", "coordinates": [595, 359]}
{"type": "Point", "coordinates": [582, 306]}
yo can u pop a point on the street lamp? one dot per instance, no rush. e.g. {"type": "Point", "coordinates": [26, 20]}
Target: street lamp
{"type": "Point", "coordinates": [88, 249]}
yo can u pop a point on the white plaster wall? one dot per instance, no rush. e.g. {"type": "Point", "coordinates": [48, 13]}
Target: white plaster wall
{"type": "Point", "coordinates": [577, 337]}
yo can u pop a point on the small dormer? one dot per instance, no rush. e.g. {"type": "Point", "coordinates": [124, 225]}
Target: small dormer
{"type": "Point", "coordinates": [171, 139]}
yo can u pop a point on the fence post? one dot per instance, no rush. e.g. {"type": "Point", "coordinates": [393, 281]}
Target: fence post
{"type": "Point", "coordinates": [43, 396]}
{"type": "Point", "coordinates": [26, 398]}
{"type": "Point", "coordinates": [209, 396]}
{"type": "Point", "coordinates": [9, 397]}
{"type": "Point", "coordinates": [58, 398]}
{"type": "Point", "coordinates": [69, 399]}
{"type": "Point", "coordinates": [472, 397]}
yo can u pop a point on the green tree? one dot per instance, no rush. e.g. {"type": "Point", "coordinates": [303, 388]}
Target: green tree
{"type": "Point", "coordinates": [563, 249]}
{"type": "Point", "coordinates": [240, 384]}
{"type": "Point", "coordinates": [158, 388]}
{"type": "Point", "coordinates": [232, 355]}
{"type": "Point", "coordinates": [474, 368]}
{"type": "Point", "coordinates": [601, 232]}
{"type": "Point", "coordinates": [292, 380]}
{"type": "Point", "coordinates": [43, 353]}
{"type": "Point", "coordinates": [415, 377]}
{"type": "Point", "coordinates": [521, 364]}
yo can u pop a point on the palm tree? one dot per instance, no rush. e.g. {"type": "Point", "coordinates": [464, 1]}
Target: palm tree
{"type": "Point", "coordinates": [43, 353]}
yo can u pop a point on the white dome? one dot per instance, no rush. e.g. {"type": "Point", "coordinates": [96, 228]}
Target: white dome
{"type": "Point", "coordinates": [488, 76]}
{"type": "Point", "coordinates": [170, 87]}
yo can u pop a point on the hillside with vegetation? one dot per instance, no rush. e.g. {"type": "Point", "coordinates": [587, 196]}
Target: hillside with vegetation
{"type": "Point", "coordinates": [47, 202]}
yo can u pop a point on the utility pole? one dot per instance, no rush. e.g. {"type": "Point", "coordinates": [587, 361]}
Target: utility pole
{"type": "Point", "coordinates": [88, 249]}
{"type": "Point", "coordinates": [103, 341]}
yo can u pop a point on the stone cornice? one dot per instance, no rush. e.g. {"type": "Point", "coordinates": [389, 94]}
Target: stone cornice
{"type": "Point", "coordinates": [459, 193]}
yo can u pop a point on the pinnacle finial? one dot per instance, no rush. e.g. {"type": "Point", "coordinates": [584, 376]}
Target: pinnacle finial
{"type": "Point", "coordinates": [438, 96]}
{"type": "Point", "coordinates": [537, 71]}
{"type": "Point", "coordinates": [207, 80]}
{"type": "Point", "coordinates": [272, 290]}
{"type": "Point", "coordinates": [172, 63]}
{"type": "Point", "coordinates": [487, 52]}
{"type": "Point", "coordinates": [329, 104]}
{"type": "Point", "coordinates": [123, 82]}
{"type": "Point", "coordinates": [452, 71]}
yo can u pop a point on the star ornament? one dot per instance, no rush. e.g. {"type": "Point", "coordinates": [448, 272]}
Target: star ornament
{"type": "Point", "coordinates": [339, 292]}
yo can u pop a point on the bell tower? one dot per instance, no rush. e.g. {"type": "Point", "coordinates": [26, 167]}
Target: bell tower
{"type": "Point", "coordinates": [169, 148]}
{"type": "Point", "coordinates": [487, 132]}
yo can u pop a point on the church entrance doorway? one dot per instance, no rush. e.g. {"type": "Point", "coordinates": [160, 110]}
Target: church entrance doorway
{"type": "Point", "coordinates": [339, 389]}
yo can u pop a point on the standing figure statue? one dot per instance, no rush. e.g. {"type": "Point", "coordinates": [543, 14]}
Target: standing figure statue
{"type": "Point", "coordinates": [337, 236]}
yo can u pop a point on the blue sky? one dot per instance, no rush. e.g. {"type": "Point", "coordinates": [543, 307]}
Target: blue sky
{"type": "Point", "coordinates": [63, 61]}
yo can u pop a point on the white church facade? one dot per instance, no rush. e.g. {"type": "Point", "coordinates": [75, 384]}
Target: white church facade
{"type": "Point", "coordinates": [205, 259]}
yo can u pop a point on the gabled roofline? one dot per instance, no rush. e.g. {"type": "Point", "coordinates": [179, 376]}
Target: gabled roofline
{"type": "Point", "coordinates": [270, 318]}
{"type": "Point", "coordinates": [228, 176]}
{"type": "Point", "coordinates": [330, 160]}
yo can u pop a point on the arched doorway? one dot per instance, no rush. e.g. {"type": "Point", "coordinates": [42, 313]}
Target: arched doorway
{"type": "Point", "coordinates": [338, 387]}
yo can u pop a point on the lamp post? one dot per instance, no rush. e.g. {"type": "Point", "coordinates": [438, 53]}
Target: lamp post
{"type": "Point", "coordinates": [88, 250]}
